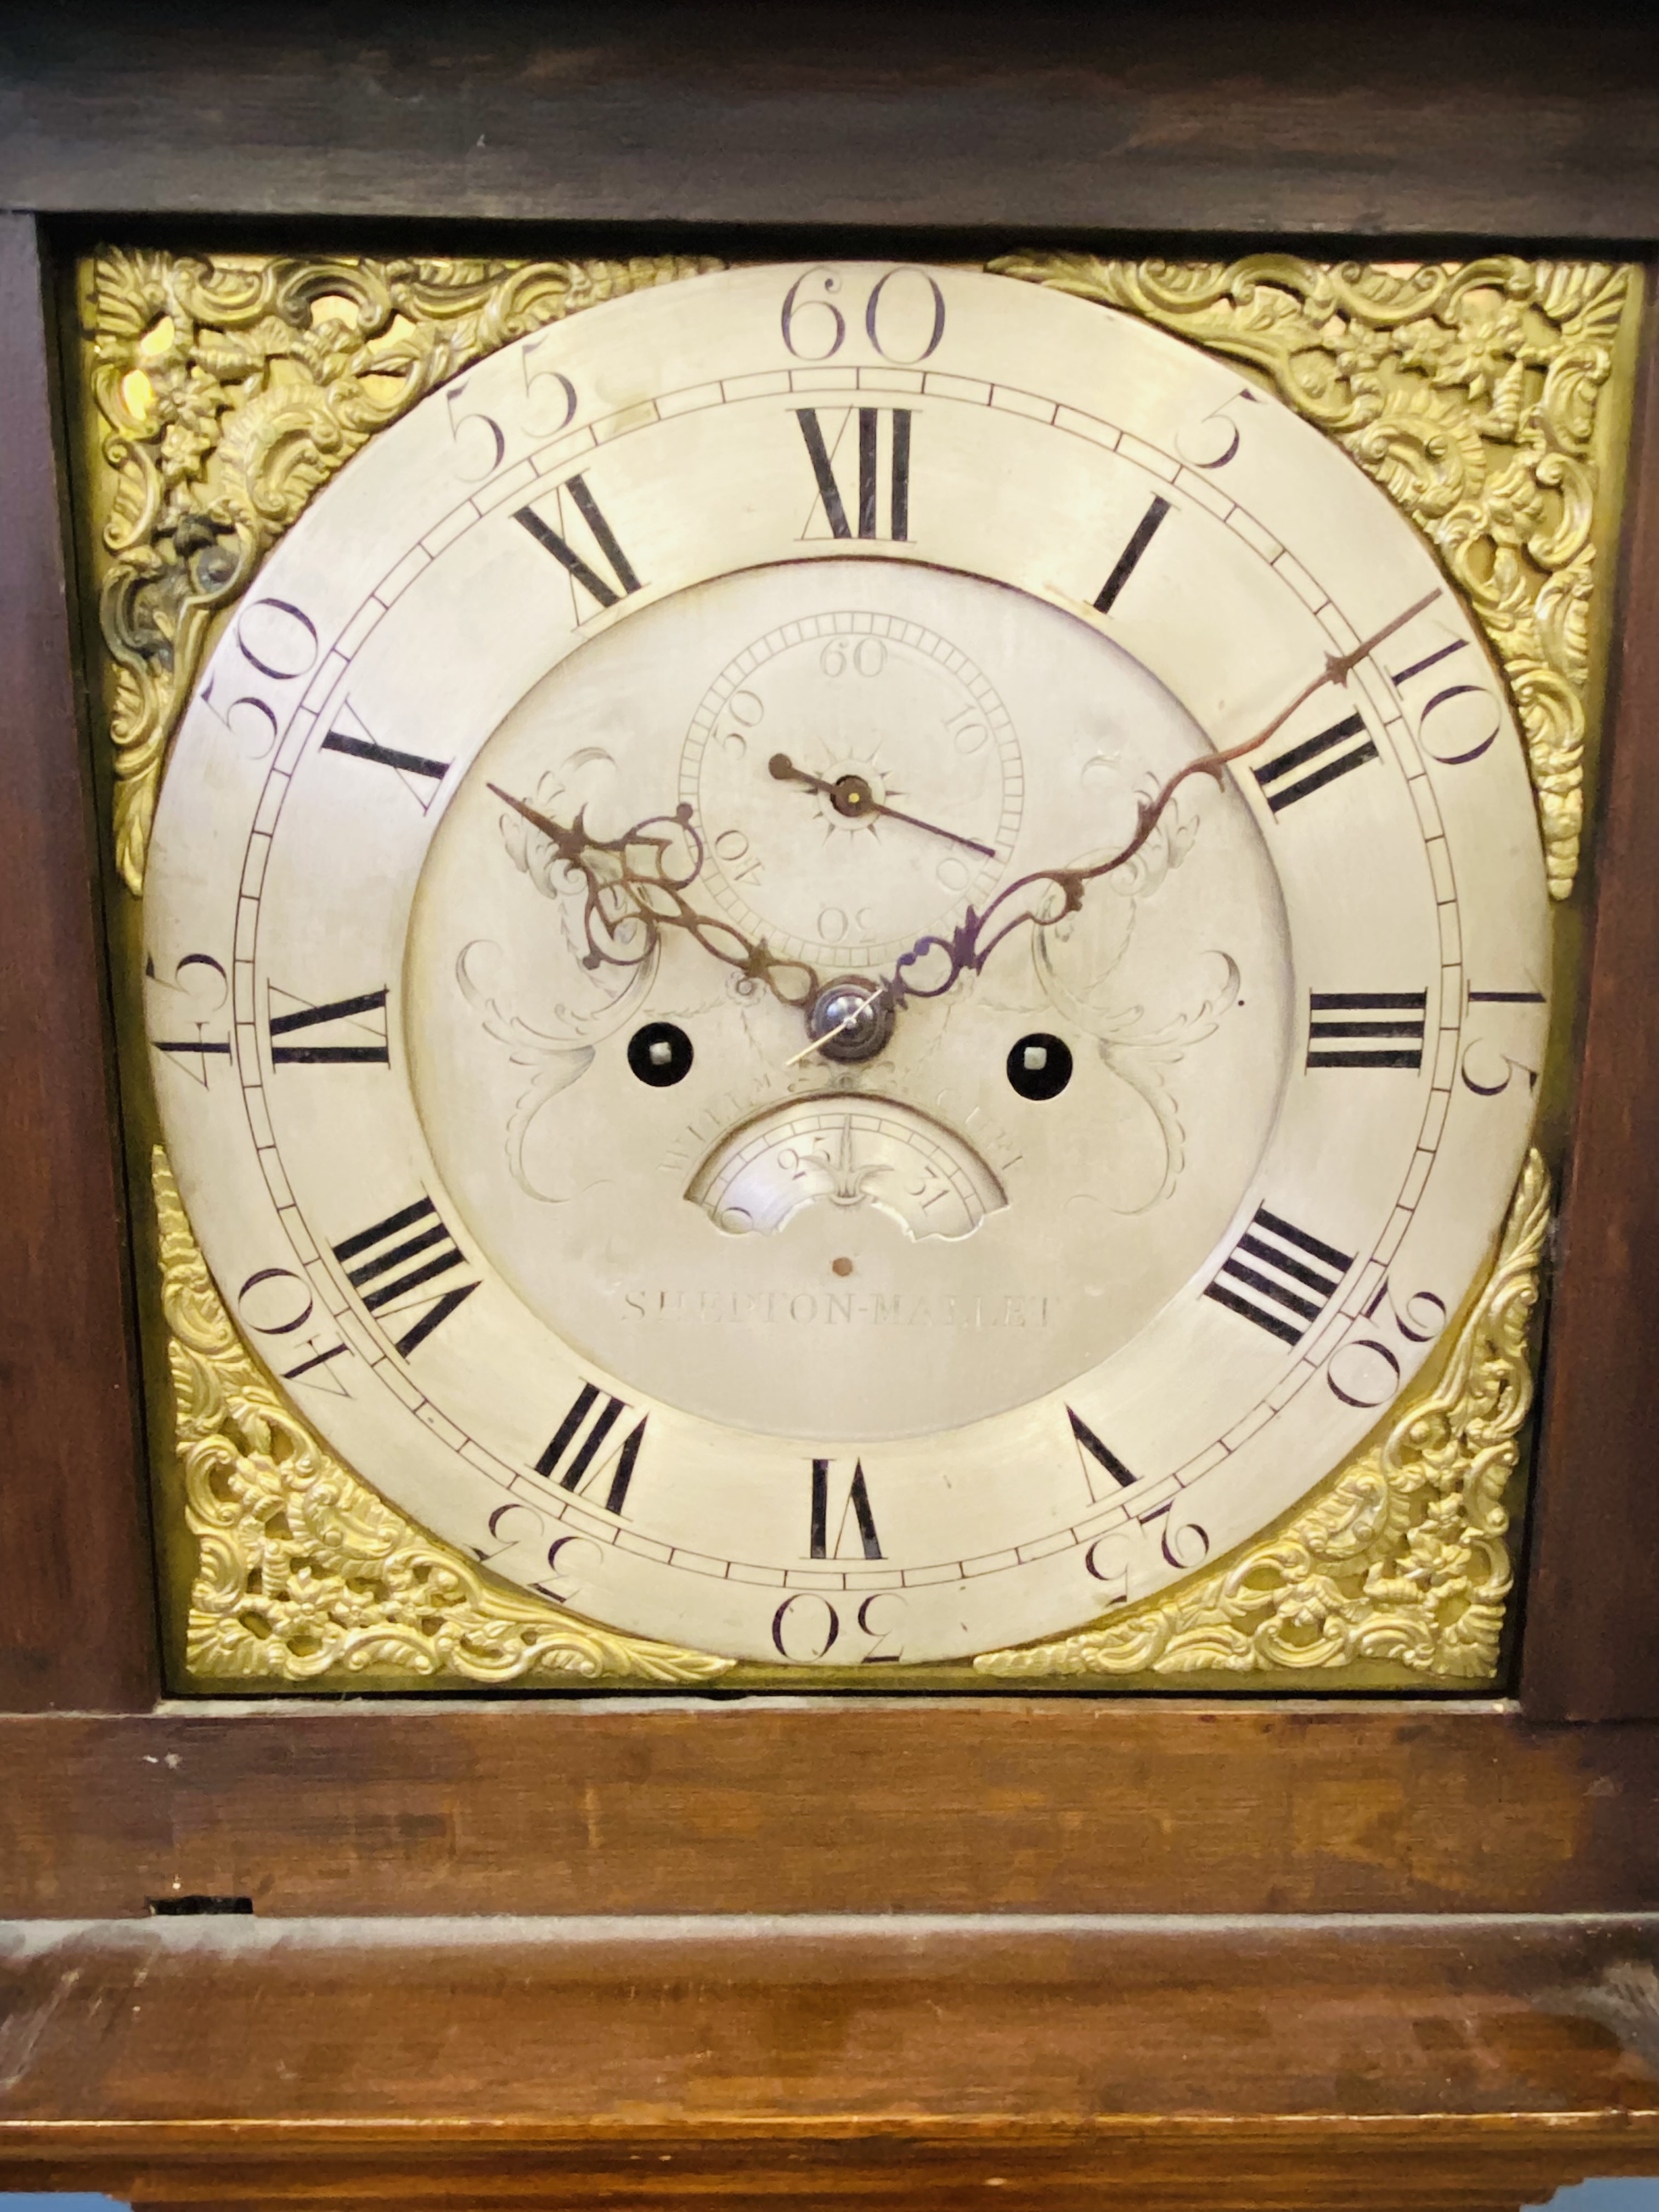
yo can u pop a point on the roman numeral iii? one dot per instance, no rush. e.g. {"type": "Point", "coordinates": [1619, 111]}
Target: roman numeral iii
{"type": "Point", "coordinates": [1366, 1028]}
{"type": "Point", "coordinates": [576, 1452]}
{"type": "Point", "coordinates": [1279, 1277]}
{"type": "Point", "coordinates": [1345, 746]}
{"type": "Point", "coordinates": [576, 565]}
{"type": "Point", "coordinates": [395, 1259]}
{"type": "Point", "coordinates": [822, 451]}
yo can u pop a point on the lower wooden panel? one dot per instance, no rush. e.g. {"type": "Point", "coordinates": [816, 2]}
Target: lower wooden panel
{"type": "Point", "coordinates": [1379, 2063]}
{"type": "Point", "coordinates": [779, 1805]}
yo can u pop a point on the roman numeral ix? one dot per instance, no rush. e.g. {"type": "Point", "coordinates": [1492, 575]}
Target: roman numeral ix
{"type": "Point", "coordinates": [823, 453]}
{"type": "Point", "coordinates": [363, 1043]}
{"type": "Point", "coordinates": [1345, 745]}
{"type": "Point", "coordinates": [580, 569]}
{"type": "Point", "coordinates": [1279, 1277]}
{"type": "Point", "coordinates": [577, 1452]}
{"type": "Point", "coordinates": [1366, 1028]}
{"type": "Point", "coordinates": [399, 1256]}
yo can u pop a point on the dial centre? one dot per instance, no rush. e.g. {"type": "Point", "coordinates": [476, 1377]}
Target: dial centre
{"type": "Point", "coordinates": [850, 1020]}
{"type": "Point", "coordinates": [851, 795]}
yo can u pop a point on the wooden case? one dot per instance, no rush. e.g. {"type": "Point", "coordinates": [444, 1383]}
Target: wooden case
{"type": "Point", "coordinates": [1278, 1950]}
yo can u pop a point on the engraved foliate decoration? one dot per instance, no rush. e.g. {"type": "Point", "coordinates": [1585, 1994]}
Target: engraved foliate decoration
{"type": "Point", "coordinates": [1469, 391]}
{"type": "Point", "coordinates": [638, 1165]}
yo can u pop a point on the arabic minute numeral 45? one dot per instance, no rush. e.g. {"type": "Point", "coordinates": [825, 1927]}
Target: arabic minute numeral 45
{"type": "Point", "coordinates": [197, 996]}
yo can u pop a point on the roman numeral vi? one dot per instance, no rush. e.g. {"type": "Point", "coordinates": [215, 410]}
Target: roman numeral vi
{"type": "Point", "coordinates": [857, 1508]}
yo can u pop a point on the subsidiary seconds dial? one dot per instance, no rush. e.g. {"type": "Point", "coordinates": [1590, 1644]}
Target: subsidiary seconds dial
{"type": "Point", "coordinates": [857, 779]}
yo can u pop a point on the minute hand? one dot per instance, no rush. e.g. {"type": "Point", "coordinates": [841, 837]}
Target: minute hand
{"type": "Point", "coordinates": [851, 796]}
{"type": "Point", "coordinates": [977, 936]}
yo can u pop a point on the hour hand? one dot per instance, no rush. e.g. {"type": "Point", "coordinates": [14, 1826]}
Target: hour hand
{"type": "Point", "coordinates": [570, 843]}
{"type": "Point", "coordinates": [851, 795]}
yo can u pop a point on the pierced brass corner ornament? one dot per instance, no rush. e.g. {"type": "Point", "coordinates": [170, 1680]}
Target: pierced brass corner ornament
{"type": "Point", "coordinates": [230, 387]}
{"type": "Point", "coordinates": [1401, 1558]}
{"type": "Point", "coordinates": [304, 1571]}
{"type": "Point", "coordinates": [1469, 392]}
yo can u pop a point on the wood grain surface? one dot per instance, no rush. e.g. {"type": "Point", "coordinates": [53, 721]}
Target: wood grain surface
{"type": "Point", "coordinates": [766, 1806]}
{"type": "Point", "coordinates": [1591, 1642]}
{"type": "Point", "coordinates": [575, 2061]}
{"type": "Point", "coordinates": [1520, 122]}
{"type": "Point", "coordinates": [76, 1618]}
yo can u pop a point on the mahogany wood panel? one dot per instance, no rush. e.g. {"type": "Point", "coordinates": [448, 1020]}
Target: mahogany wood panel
{"type": "Point", "coordinates": [75, 1620]}
{"type": "Point", "coordinates": [880, 1807]}
{"type": "Point", "coordinates": [571, 2062]}
{"type": "Point", "coordinates": [1523, 122]}
{"type": "Point", "coordinates": [1590, 1649]}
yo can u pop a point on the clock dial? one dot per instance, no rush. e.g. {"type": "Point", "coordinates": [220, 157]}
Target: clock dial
{"type": "Point", "coordinates": [648, 1037]}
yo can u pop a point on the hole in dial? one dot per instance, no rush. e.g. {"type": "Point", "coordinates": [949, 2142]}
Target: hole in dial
{"type": "Point", "coordinates": [660, 1054]}
{"type": "Point", "coordinates": [1040, 1066]}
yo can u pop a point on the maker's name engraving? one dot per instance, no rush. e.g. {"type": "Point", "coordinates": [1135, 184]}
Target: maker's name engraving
{"type": "Point", "coordinates": [836, 1309]}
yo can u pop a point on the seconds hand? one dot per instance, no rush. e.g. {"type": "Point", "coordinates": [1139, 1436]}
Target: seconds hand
{"type": "Point", "coordinates": [851, 796]}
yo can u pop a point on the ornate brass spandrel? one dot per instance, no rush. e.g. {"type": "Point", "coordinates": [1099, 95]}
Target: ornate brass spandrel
{"type": "Point", "coordinates": [305, 1574]}
{"type": "Point", "coordinates": [1403, 1557]}
{"type": "Point", "coordinates": [230, 387]}
{"type": "Point", "coordinates": [1470, 392]}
